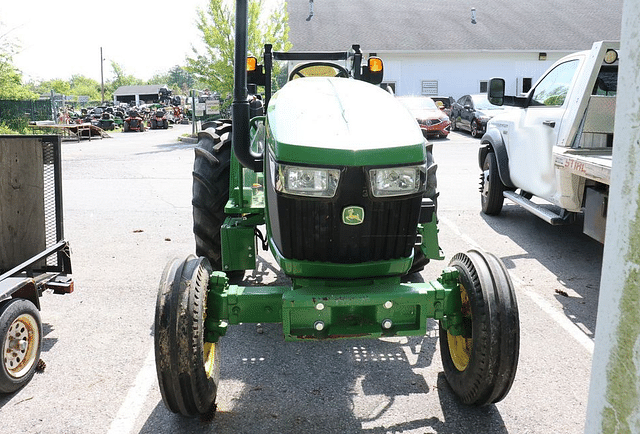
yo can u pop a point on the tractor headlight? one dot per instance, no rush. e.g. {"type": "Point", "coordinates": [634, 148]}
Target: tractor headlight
{"type": "Point", "coordinates": [396, 181]}
{"type": "Point", "coordinates": [307, 181]}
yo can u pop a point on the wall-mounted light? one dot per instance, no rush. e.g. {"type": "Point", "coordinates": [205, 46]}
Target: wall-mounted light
{"type": "Point", "coordinates": [542, 56]}
{"type": "Point", "coordinates": [473, 16]}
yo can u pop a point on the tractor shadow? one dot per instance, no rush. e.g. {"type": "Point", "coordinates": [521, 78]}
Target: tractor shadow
{"type": "Point", "coordinates": [573, 257]}
{"type": "Point", "coordinates": [349, 386]}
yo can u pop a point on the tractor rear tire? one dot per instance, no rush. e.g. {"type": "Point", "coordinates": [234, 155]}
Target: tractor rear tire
{"type": "Point", "coordinates": [211, 192]}
{"type": "Point", "coordinates": [188, 368]}
{"type": "Point", "coordinates": [480, 365]}
{"type": "Point", "coordinates": [419, 260]}
{"type": "Point", "coordinates": [126, 127]}
{"type": "Point", "coordinates": [21, 343]}
{"type": "Point", "coordinates": [154, 124]}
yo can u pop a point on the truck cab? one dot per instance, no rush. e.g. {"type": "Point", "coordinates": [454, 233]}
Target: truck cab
{"type": "Point", "coordinates": [557, 144]}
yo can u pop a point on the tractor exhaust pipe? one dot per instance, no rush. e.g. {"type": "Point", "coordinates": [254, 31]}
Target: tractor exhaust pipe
{"type": "Point", "coordinates": [240, 106]}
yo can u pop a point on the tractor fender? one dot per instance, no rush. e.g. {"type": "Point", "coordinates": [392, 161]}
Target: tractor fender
{"type": "Point", "coordinates": [492, 141]}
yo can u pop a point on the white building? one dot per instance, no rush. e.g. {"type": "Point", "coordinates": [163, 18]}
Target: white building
{"type": "Point", "coordinates": [452, 47]}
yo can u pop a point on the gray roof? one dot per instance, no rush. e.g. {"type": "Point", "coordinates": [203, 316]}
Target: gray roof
{"type": "Point", "coordinates": [138, 90]}
{"type": "Point", "coordinates": [441, 25]}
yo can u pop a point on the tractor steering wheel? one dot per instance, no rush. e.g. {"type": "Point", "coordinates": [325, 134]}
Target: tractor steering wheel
{"type": "Point", "coordinates": [318, 69]}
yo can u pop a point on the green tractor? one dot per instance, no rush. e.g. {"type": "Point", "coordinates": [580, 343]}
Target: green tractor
{"type": "Point", "coordinates": [349, 208]}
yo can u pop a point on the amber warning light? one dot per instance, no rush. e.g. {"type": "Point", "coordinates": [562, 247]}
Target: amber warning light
{"type": "Point", "coordinates": [375, 64]}
{"type": "Point", "coordinates": [251, 63]}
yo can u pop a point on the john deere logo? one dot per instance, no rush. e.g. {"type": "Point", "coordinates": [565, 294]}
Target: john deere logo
{"type": "Point", "coordinates": [352, 215]}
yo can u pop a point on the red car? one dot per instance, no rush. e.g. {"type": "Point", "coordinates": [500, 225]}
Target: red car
{"type": "Point", "coordinates": [433, 121]}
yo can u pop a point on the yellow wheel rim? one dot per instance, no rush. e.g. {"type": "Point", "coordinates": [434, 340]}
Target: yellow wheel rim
{"type": "Point", "coordinates": [209, 358]}
{"type": "Point", "coordinates": [459, 346]}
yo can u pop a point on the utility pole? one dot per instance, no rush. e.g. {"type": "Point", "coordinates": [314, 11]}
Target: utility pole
{"type": "Point", "coordinates": [614, 394]}
{"type": "Point", "coordinates": [102, 74]}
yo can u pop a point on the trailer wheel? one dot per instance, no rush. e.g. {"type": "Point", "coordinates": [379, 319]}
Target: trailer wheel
{"type": "Point", "coordinates": [188, 368]}
{"type": "Point", "coordinates": [481, 364]}
{"type": "Point", "coordinates": [491, 187]}
{"type": "Point", "coordinates": [419, 260]}
{"type": "Point", "coordinates": [21, 338]}
{"type": "Point", "coordinates": [211, 192]}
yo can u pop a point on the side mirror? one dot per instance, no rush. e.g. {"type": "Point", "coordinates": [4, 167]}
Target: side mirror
{"type": "Point", "coordinates": [496, 91]}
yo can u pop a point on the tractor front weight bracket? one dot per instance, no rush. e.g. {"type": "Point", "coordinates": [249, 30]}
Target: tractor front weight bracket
{"type": "Point", "coordinates": [319, 309]}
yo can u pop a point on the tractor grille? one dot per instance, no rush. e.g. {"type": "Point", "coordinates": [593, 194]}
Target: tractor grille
{"type": "Point", "coordinates": [311, 229]}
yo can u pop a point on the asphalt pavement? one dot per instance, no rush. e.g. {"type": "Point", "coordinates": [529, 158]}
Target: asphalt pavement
{"type": "Point", "coordinates": [128, 212]}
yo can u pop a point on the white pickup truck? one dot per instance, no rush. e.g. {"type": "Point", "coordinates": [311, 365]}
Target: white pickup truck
{"type": "Point", "coordinates": [551, 154]}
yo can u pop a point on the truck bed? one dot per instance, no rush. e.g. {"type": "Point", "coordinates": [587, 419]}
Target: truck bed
{"type": "Point", "coordinates": [594, 164]}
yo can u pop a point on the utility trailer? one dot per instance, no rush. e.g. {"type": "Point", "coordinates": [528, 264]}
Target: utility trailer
{"type": "Point", "coordinates": [34, 255]}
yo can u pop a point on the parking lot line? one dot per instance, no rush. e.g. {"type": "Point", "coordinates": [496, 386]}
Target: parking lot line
{"type": "Point", "coordinates": [132, 405]}
{"type": "Point", "coordinates": [559, 317]}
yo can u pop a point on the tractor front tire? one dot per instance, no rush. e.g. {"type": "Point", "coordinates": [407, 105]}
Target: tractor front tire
{"type": "Point", "coordinates": [480, 365]}
{"type": "Point", "coordinates": [21, 343]}
{"type": "Point", "coordinates": [188, 368]}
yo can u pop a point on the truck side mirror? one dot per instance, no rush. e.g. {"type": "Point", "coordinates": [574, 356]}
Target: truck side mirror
{"type": "Point", "coordinates": [496, 91]}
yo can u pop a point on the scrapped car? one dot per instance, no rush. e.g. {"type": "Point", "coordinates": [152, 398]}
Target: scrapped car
{"type": "Point", "coordinates": [472, 112]}
{"type": "Point", "coordinates": [433, 122]}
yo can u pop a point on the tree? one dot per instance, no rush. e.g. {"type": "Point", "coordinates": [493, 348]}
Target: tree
{"type": "Point", "coordinates": [122, 78]}
{"type": "Point", "coordinates": [181, 79]}
{"type": "Point", "coordinates": [81, 85]}
{"type": "Point", "coordinates": [57, 85]}
{"type": "Point", "coordinates": [214, 67]}
{"type": "Point", "coordinates": [11, 86]}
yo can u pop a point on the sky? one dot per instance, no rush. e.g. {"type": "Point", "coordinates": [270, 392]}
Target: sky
{"type": "Point", "coordinates": [61, 38]}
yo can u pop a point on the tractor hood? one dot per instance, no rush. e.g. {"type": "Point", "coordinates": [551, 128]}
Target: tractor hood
{"type": "Point", "coordinates": [340, 121]}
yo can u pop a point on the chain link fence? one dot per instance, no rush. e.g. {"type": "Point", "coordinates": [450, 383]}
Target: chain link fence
{"type": "Point", "coordinates": [16, 115]}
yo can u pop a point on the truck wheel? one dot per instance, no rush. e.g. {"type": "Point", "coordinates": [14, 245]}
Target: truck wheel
{"type": "Point", "coordinates": [211, 192]}
{"type": "Point", "coordinates": [419, 260]}
{"type": "Point", "coordinates": [480, 365]}
{"type": "Point", "coordinates": [188, 368]}
{"type": "Point", "coordinates": [491, 187]}
{"type": "Point", "coordinates": [21, 338]}
{"type": "Point", "coordinates": [475, 131]}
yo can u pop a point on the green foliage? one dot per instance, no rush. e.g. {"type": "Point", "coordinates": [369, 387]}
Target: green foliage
{"type": "Point", "coordinates": [11, 87]}
{"type": "Point", "coordinates": [122, 78]}
{"type": "Point", "coordinates": [85, 86]}
{"type": "Point", "coordinates": [214, 66]}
